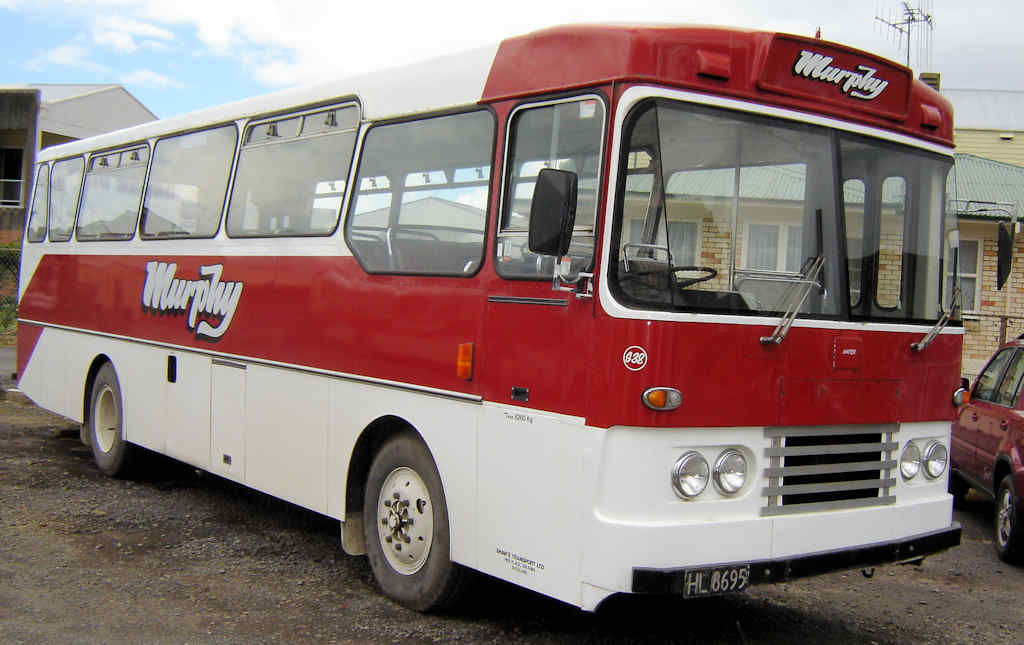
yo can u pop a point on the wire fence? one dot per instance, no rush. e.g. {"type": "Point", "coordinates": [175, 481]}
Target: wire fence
{"type": "Point", "coordinates": [10, 259]}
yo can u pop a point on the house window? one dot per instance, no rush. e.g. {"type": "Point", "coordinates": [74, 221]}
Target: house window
{"type": "Point", "coordinates": [682, 240]}
{"type": "Point", "coordinates": [970, 258]}
{"type": "Point", "coordinates": [773, 247]}
{"type": "Point", "coordinates": [10, 176]}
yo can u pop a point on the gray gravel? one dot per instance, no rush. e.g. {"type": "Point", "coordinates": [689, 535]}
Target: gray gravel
{"type": "Point", "coordinates": [175, 557]}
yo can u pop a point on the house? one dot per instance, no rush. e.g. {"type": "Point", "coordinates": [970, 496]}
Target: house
{"type": "Point", "coordinates": [989, 189]}
{"type": "Point", "coordinates": [39, 116]}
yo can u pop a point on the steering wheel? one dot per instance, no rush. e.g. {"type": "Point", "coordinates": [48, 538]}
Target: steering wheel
{"type": "Point", "coordinates": [682, 283]}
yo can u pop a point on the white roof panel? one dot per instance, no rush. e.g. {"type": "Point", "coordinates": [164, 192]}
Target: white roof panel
{"type": "Point", "coordinates": [449, 81]}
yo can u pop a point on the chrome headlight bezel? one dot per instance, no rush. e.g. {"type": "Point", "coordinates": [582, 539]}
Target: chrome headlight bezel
{"type": "Point", "coordinates": [690, 475]}
{"type": "Point", "coordinates": [730, 480]}
{"type": "Point", "coordinates": [910, 461]}
{"type": "Point", "coordinates": [935, 453]}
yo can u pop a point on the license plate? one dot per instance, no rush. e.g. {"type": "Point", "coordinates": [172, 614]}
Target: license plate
{"type": "Point", "coordinates": [715, 580]}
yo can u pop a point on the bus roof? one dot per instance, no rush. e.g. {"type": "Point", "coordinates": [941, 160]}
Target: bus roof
{"type": "Point", "coordinates": [805, 74]}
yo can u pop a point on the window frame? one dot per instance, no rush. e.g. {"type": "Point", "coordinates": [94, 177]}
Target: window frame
{"type": "Point", "coordinates": [507, 185]}
{"type": "Point", "coordinates": [784, 233]}
{"type": "Point", "coordinates": [287, 115]}
{"type": "Point", "coordinates": [227, 186]}
{"type": "Point", "coordinates": [1000, 372]}
{"type": "Point", "coordinates": [73, 224]}
{"type": "Point", "coordinates": [976, 275]}
{"type": "Point", "coordinates": [44, 166]}
{"type": "Point", "coordinates": [352, 189]}
{"type": "Point", "coordinates": [19, 181]}
{"type": "Point", "coordinates": [89, 159]}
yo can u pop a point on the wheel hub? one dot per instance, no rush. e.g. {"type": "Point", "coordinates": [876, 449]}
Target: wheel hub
{"type": "Point", "coordinates": [406, 523]}
{"type": "Point", "coordinates": [1004, 519]}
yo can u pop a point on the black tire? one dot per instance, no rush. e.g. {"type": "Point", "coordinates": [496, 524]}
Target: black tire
{"type": "Point", "coordinates": [958, 488]}
{"type": "Point", "coordinates": [1009, 529]}
{"type": "Point", "coordinates": [112, 454]}
{"type": "Point", "coordinates": [405, 523]}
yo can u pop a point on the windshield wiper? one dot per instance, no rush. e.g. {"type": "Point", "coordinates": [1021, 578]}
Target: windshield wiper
{"type": "Point", "coordinates": [796, 295]}
{"type": "Point", "coordinates": [920, 345]}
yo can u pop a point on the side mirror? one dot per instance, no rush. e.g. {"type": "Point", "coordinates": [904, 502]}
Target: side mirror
{"type": "Point", "coordinates": [553, 212]}
{"type": "Point", "coordinates": [963, 393]}
{"type": "Point", "coordinates": [1005, 257]}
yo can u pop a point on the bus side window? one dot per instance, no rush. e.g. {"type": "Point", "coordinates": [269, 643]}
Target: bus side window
{"type": "Point", "coordinates": [420, 205]}
{"type": "Point", "coordinates": [111, 195]}
{"type": "Point", "coordinates": [65, 186]}
{"type": "Point", "coordinates": [40, 205]}
{"type": "Point", "coordinates": [185, 194]}
{"type": "Point", "coordinates": [292, 173]}
{"type": "Point", "coordinates": [565, 135]}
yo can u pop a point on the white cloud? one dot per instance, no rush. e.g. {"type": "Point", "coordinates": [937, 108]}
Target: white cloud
{"type": "Point", "coordinates": [68, 55]}
{"type": "Point", "coordinates": [286, 42]}
{"type": "Point", "coordinates": [149, 79]}
{"type": "Point", "coordinates": [120, 33]}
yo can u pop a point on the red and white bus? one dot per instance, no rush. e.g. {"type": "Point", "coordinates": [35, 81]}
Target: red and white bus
{"type": "Point", "coordinates": [599, 310]}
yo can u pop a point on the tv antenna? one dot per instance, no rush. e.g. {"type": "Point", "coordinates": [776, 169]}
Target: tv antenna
{"type": "Point", "coordinates": [912, 17]}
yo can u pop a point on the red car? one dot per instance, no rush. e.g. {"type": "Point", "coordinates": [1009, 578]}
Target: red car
{"type": "Point", "coordinates": [988, 446]}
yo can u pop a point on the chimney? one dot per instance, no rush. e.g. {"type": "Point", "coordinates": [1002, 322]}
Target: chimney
{"type": "Point", "coordinates": [931, 79]}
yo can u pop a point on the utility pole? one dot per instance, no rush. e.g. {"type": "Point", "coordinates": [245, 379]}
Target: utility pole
{"type": "Point", "coordinates": [911, 16]}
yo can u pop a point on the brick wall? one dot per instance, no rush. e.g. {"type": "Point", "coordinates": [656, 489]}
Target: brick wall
{"type": "Point", "coordinates": [1000, 314]}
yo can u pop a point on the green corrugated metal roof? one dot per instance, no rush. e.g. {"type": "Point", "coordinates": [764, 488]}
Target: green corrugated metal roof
{"type": "Point", "coordinates": [983, 180]}
{"type": "Point", "coordinates": [977, 180]}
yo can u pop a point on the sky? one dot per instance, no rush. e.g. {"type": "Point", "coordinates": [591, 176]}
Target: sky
{"type": "Point", "coordinates": [177, 56]}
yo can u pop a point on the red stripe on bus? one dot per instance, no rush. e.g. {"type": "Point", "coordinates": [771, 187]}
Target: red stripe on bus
{"type": "Point", "coordinates": [28, 337]}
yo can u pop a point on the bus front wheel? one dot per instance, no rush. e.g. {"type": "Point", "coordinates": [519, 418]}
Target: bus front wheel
{"type": "Point", "coordinates": [110, 451]}
{"type": "Point", "coordinates": [405, 523]}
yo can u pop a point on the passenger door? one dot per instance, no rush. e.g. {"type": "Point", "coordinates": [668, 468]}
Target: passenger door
{"type": "Point", "coordinates": [535, 365]}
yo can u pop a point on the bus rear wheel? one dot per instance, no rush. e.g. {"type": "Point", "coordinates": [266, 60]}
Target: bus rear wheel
{"type": "Point", "coordinates": [112, 454]}
{"type": "Point", "coordinates": [405, 523]}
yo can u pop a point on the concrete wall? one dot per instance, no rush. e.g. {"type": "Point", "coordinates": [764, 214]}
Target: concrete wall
{"type": "Point", "coordinates": [18, 114]}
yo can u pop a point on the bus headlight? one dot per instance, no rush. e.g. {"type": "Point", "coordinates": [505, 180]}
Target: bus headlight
{"type": "Point", "coordinates": [910, 461]}
{"type": "Point", "coordinates": [935, 459]}
{"type": "Point", "coordinates": [730, 472]}
{"type": "Point", "coordinates": [690, 475]}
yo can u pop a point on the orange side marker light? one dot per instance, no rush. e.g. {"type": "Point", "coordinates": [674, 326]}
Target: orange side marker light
{"type": "Point", "coordinates": [464, 362]}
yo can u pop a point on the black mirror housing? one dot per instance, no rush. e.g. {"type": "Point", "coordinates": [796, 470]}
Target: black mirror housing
{"type": "Point", "coordinates": [553, 212]}
{"type": "Point", "coordinates": [1005, 257]}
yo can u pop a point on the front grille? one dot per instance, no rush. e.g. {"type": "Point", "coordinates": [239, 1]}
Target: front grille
{"type": "Point", "coordinates": [829, 468]}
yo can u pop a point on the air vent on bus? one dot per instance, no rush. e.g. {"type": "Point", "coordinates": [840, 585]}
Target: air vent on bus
{"type": "Point", "coordinates": [829, 468]}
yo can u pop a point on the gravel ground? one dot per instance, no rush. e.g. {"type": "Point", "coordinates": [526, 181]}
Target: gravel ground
{"type": "Point", "coordinates": [175, 557]}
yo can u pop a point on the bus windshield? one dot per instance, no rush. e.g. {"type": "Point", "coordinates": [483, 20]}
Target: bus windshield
{"type": "Point", "coordinates": [730, 212]}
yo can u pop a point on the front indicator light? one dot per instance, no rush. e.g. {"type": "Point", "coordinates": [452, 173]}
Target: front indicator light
{"type": "Point", "coordinates": [690, 475]}
{"type": "Point", "coordinates": [662, 398]}
{"type": "Point", "coordinates": [910, 461]}
{"type": "Point", "coordinates": [730, 472]}
{"type": "Point", "coordinates": [935, 459]}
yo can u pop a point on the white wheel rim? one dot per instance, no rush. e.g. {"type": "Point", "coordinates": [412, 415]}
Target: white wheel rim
{"type": "Point", "coordinates": [405, 520]}
{"type": "Point", "coordinates": [1004, 519]}
{"type": "Point", "coordinates": [105, 418]}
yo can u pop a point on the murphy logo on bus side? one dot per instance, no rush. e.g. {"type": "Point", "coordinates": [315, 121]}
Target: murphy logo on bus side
{"type": "Point", "coordinates": [206, 300]}
{"type": "Point", "coordinates": [860, 84]}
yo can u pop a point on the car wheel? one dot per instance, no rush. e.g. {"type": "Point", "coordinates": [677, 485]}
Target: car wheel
{"type": "Point", "coordinates": [405, 523]}
{"type": "Point", "coordinates": [112, 454]}
{"type": "Point", "coordinates": [1009, 542]}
